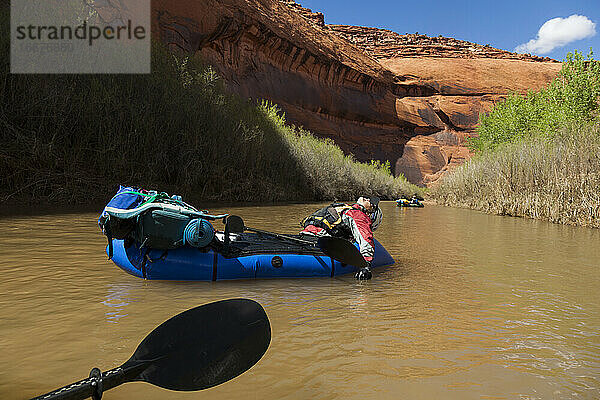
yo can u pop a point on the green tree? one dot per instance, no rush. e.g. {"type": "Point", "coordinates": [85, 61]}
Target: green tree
{"type": "Point", "coordinates": [571, 97]}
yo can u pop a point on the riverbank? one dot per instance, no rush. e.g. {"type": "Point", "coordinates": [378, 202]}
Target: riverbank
{"type": "Point", "coordinates": [70, 140]}
{"type": "Point", "coordinates": [557, 180]}
{"type": "Point", "coordinates": [537, 156]}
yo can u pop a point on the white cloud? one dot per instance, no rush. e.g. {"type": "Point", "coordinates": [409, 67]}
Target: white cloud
{"type": "Point", "coordinates": [558, 32]}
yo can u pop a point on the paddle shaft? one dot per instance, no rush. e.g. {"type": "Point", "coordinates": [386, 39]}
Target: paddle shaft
{"type": "Point", "coordinates": [293, 239]}
{"type": "Point", "coordinates": [87, 387]}
{"type": "Point", "coordinates": [337, 248]}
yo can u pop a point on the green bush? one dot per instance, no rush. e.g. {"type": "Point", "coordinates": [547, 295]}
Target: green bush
{"type": "Point", "coordinates": [571, 97]}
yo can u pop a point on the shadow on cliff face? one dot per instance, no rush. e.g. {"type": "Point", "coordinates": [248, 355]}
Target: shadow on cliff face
{"type": "Point", "coordinates": [72, 139]}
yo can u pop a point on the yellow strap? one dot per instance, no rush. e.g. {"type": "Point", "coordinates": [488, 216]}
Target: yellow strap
{"type": "Point", "coordinates": [323, 220]}
{"type": "Point", "coordinates": [338, 209]}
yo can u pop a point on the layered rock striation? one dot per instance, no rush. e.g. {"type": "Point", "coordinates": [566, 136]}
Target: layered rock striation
{"type": "Point", "coordinates": [408, 99]}
{"type": "Point", "coordinates": [384, 44]}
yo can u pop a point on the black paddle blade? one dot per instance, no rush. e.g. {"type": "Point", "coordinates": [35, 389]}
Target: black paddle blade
{"type": "Point", "coordinates": [204, 346]}
{"type": "Point", "coordinates": [341, 250]}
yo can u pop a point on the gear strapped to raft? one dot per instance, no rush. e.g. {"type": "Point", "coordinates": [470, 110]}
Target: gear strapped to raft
{"type": "Point", "coordinates": [330, 219]}
{"type": "Point", "coordinates": [155, 220]}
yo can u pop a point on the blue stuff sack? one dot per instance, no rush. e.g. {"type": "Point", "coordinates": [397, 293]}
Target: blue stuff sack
{"type": "Point", "coordinates": [125, 199]}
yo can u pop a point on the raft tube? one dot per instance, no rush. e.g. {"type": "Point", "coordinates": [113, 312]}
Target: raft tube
{"type": "Point", "coordinates": [258, 258]}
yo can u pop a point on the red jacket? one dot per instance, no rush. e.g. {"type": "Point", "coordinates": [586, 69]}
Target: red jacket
{"type": "Point", "coordinates": [360, 225]}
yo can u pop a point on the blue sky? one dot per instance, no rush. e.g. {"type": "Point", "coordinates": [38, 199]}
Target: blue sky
{"type": "Point", "coordinates": [504, 24]}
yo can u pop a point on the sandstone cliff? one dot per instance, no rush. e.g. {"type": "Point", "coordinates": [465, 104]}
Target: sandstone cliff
{"type": "Point", "coordinates": [409, 99]}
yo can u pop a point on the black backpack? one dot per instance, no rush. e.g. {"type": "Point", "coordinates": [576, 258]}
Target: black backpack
{"type": "Point", "coordinates": [330, 219]}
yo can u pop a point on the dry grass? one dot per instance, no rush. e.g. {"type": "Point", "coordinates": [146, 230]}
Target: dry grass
{"type": "Point", "coordinates": [556, 180]}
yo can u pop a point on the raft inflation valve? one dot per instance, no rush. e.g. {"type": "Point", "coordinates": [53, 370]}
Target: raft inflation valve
{"type": "Point", "coordinates": [277, 262]}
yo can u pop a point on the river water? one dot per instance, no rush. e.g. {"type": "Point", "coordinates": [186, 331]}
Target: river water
{"type": "Point", "coordinates": [476, 307]}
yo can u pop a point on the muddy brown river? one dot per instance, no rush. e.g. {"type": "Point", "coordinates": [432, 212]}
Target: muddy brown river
{"type": "Point", "coordinates": [475, 307]}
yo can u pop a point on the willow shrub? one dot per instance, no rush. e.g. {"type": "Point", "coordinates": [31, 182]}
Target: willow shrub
{"type": "Point", "coordinates": [331, 174]}
{"type": "Point", "coordinates": [571, 97]}
{"type": "Point", "coordinates": [71, 139]}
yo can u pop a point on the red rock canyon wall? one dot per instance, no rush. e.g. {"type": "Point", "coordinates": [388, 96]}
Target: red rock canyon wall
{"type": "Point", "coordinates": [409, 99]}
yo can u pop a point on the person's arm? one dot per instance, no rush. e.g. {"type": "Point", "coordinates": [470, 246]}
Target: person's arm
{"type": "Point", "coordinates": [360, 225]}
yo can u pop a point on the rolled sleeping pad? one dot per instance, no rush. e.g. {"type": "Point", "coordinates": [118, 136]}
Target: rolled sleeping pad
{"type": "Point", "coordinates": [198, 233]}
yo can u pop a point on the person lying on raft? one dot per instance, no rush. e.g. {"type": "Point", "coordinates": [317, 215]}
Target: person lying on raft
{"type": "Point", "coordinates": [354, 222]}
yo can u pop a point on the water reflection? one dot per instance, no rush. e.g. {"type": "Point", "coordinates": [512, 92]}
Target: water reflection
{"type": "Point", "coordinates": [117, 299]}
